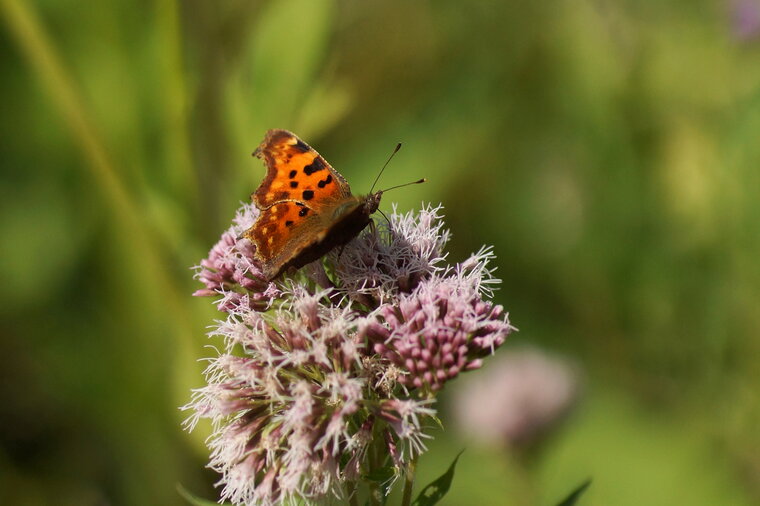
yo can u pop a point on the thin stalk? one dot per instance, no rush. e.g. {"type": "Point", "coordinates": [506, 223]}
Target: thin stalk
{"type": "Point", "coordinates": [406, 498]}
{"type": "Point", "coordinates": [525, 491]}
{"type": "Point", "coordinates": [374, 494]}
{"type": "Point", "coordinates": [351, 490]}
{"type": "Point", "coordinates": [374, 487]}
{"type": "Point", "coordinates": [25, 27]}
{"type": "Point", "coordinates": [376, 458]}
{"type": "Point", "coordinates": [179, 162]}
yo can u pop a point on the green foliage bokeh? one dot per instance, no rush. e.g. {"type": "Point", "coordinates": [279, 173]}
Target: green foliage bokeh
{"type": "Point", "coordinates": [609, 150]}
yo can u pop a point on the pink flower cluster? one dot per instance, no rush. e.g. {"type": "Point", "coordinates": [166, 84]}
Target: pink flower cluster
{"type": "Point", "coordinates": [443, 327]}
{"type": "Point", "coordinates": [289, 397]}
{"type": "Point", "coordinates": [327, 380]}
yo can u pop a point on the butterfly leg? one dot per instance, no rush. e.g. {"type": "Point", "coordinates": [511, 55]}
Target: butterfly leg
{"type": "Point", "coordinates": [386, 218]}
{"type": "Point", "coordinates": [373, 228]}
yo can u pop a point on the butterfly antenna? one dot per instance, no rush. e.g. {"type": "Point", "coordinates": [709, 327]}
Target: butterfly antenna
{"type": "Point", "coordinates": [423, 180]}
{"type": "Point", "coordinates": [398, 146]}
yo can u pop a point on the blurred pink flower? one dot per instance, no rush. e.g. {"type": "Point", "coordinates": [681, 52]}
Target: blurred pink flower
{"type": "Point", "coordinates": [517, 399]}
{"type": "Point", "coordinates": [745, 19]}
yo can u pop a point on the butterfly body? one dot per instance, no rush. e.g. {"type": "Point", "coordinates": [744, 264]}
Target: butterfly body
{"type": "Point", "coordinates": [307, 207]}
{"type": "Point", "coordinates": [338, 232]}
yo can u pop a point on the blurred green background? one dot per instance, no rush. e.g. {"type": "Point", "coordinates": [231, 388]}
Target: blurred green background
{"type": "Point", "coordinates": [608, 149]}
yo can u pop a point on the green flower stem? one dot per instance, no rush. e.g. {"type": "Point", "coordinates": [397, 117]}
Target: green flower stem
{"type": "Point", "coordinates": [525, 492]}
{"type": "Point", "coordinates": [374, 487]}
{"type": "Point", "coordinates": [406, 498]}
{"type": "Point", "coordinates": [374, 494]}
{"type": "Point", "coordinates": [178, 152]}
{"type": "Point", "coordinates": [376, 459]}
{"type": "Point", "coordinates": [351, 490]}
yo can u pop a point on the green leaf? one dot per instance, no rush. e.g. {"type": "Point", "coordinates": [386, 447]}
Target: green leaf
{"type": "Point", "coordinates": [435, 490]}
{"type": "Point", "coordinates": [571, 499]}
{"type": "Point", "coordinates": [192, 499]}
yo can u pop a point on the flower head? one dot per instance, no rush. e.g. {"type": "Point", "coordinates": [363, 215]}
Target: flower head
{"type": "Point", "coordinates": [282, 398]}
{"type": "Point", "coordinates": [443, 327]}
{"type": "Point", "coordinates": [313, 383]}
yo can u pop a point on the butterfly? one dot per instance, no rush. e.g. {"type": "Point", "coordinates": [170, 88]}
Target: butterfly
{"type": "Point", "coordinates": [307, 207]}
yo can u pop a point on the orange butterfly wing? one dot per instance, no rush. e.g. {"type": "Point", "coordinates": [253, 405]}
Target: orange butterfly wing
{"type": "Point", "coordinates": [297, 200]}
{"type": "Point", "coordinates": [297, 172]}
{"type": "Point", "coordinates": [274, 233]}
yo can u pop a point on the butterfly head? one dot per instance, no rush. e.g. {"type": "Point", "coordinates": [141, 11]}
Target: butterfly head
{"type": "Point", "coordinates": [372, 202]}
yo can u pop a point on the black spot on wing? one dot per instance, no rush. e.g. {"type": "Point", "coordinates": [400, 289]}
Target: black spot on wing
{"type": "Point", "coordinates": [304, 210]}
{"type": "Point", "coordinates": [294, 184]}
{"type": "Point", "coordinates": [301, 146]}
{"type": "Point", "coordinates": [292, 174]}
{"type": "Point", "coordinates": [288, 223]}
{"type": "Point", "coordinates": [325, 181]}
{"type": "Point", "coordinates": [315, 166]}
{"type": "Point", "coordinates": [308, 194]}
